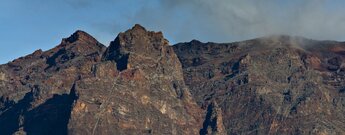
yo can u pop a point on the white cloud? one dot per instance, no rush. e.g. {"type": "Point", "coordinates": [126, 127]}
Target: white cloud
{"type": "Point", "coordinates": [230, 20]}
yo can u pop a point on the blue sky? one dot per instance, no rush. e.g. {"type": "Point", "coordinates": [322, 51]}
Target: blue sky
{"type": "Point", "coordinates": [26, 26]}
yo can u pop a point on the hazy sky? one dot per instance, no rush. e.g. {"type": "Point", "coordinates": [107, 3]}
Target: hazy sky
{"type": "Point", "coordinates": [28, 25]}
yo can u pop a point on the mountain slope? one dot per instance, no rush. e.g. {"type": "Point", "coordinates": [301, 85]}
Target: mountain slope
{"type": "Point", "coordinates": [271, 85]}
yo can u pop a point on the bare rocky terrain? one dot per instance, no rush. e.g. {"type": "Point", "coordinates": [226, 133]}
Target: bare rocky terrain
{"type": "Point", "coordinates": [140, 84]}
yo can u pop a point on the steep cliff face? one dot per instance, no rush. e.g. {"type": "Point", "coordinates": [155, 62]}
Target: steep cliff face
{"type": "Point", "coordinates": [138, 88]}
{"type": "Point", "coordinates": [273, 85]}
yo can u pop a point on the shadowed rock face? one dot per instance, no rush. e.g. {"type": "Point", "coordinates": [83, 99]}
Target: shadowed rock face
{"type": "Point", "coordinates": [213, 123]}
{"type": "Point", "coordinates": [141, 85]}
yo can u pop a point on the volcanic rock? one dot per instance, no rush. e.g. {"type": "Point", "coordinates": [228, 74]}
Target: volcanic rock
{"type": "Point", "coordinates": [134, 86]}
{"type": "Point", "coordinates": [270, 85]}
{"type": "Point", "coordinates": [140, 84]}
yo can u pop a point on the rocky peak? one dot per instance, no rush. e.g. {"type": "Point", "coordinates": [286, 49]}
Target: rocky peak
{"type": "Point", "coordinates": [195, 42]}
{"type": "Point", "coordinates": [138, 27]}
{"type": "Point", "coordinates": [137, 42]}
{"type": "Point", "coordinates": [148, 84]}
{"type": "Point", "coordinates": [80, 36]}
{"type": "Point", "coordinates": [80, 43]}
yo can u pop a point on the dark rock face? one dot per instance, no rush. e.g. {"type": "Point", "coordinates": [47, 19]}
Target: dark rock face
{"type": "Point", "coordinates": [141, 85]}
{"type": "Point", "coordinates": [274, 85]}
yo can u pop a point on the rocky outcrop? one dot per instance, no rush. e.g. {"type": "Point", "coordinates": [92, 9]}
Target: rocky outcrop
{"type": "Point", "coordinates": [213, 123]}
{"type": "Point", "coordinates": [134, 86]}
{"type": "Point", "coordinates": [142, 92]}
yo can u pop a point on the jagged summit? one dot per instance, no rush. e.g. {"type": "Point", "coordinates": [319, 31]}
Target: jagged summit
{"type": "Point", "coordinates": [79, 42]}
{"type": "Point", "coordinates": [80, 35]}
{"type": "Point", "coordinates": [138, 32]}
{"type": "Point", "coordinates": [194, 41]}
{"type": "Point", "coordinates": [138, 41]}
{"type": "Point", "coordinates": [138, 27]}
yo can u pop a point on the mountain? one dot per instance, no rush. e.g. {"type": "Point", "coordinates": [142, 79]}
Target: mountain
{"type": "Point", "coordinates": [270, 85]}
{"type": "Point", "coordinates": [140, 84]}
